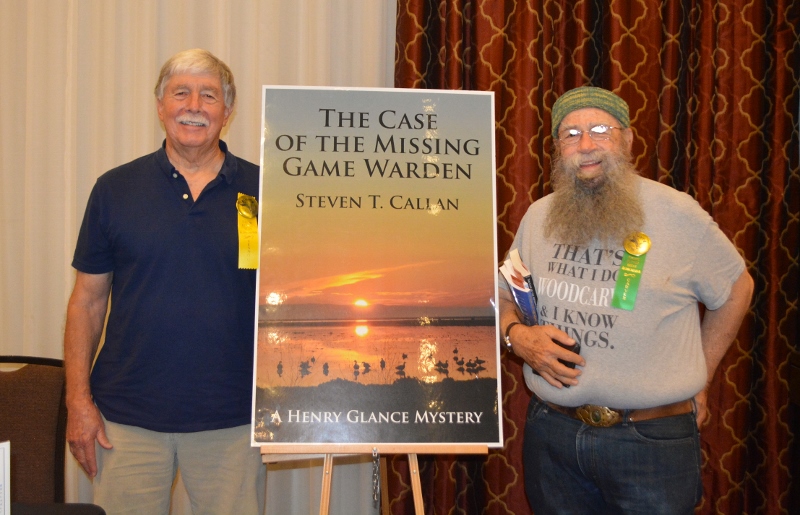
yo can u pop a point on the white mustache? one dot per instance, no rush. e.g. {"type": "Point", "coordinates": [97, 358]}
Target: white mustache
{"type": "Point", "coordinates": [576, 160]}
{"type": "Point", "coordinates": [191, 119]}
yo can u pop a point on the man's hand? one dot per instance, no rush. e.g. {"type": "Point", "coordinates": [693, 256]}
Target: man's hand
{"type": "Point", "coordinates": [701, 404]}
{"type": "Point", "coordinates": [84, 426]}
{"type": "Point", "coordinates": [536, 345]}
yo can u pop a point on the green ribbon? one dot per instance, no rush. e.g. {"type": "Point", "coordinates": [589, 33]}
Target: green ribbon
{"type": "Point", "coordinates": [630, 272]}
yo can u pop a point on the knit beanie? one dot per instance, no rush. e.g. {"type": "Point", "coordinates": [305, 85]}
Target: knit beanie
{"type": "Point", "coordinates": [589, 96]}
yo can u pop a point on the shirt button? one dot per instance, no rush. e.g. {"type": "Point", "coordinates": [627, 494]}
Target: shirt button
{"type": "Point", "coordinates": [185, 196]}
{"type": "Point", "coordinates": [175, 175]}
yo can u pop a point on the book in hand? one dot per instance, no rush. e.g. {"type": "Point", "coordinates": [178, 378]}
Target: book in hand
{"type": "Point", "coordinates": [520, 283]}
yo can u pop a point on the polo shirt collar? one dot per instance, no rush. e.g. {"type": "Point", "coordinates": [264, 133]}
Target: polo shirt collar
{"type": "Point", "coordinates": [229, 167]}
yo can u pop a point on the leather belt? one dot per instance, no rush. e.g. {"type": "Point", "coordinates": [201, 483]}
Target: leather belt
{"type": "Point", "coordinates": [601, 416]}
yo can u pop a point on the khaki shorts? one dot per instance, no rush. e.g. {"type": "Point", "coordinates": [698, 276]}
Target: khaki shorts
{"type": "Point", "coordinates": [221, 471]}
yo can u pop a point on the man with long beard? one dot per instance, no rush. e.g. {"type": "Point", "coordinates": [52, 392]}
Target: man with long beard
{"type": "Point", "coordinates": [620, 264]}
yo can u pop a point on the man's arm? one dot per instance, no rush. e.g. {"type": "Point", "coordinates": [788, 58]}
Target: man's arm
{"type": "Point", "coordinates": [86, 313]}
{"type": "Point", "coordinates": [718, 331]}
{"type": "Point", "coordinates": [534, 344]}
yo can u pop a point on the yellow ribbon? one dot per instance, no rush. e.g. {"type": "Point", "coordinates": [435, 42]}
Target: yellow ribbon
{"type": "Point", "coordinates": [247, 207]}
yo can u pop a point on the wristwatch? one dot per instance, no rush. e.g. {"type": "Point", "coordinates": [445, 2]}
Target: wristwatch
{"type": "Point", "coordinates": [507, 337]}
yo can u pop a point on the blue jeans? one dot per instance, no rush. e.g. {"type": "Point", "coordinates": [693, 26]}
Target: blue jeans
{"type": "Point", "coordinates": [650, 467]}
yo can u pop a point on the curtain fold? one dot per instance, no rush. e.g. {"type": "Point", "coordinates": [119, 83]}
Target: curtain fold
{"type": "Point", "coordinates": [714, 92]}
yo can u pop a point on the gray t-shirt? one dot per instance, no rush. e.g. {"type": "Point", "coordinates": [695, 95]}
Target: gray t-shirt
{"type": "Point", "coordinates": [651, 355]}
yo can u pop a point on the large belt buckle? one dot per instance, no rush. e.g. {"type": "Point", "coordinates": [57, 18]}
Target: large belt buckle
{"type": "Point", "coordinates": [597, 416]}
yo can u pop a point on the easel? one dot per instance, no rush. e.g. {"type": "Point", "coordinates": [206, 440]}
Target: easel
{"type": "Point", "coordinates": [306, 451]}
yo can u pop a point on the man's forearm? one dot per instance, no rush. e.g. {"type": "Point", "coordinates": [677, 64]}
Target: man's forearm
{"type": "Point", "coordinates": [508, 311]}
{"type": "Point", "coordinates": [721, 326]}
{"type": "Point", "coordinates": [80, 345]}
{"type": "Point", "coordinates": [86, 314]}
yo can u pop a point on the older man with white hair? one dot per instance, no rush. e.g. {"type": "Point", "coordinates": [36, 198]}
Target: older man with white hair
{"type": "Point", "coordinates": [621, 265]}
{"type": "Point", "coordinates": [165, 237]}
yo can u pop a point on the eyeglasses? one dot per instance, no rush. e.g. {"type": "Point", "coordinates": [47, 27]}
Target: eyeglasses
{"type": "Point", "coordinates": [597, 133]}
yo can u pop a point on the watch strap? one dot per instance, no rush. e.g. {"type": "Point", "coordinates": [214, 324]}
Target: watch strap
{"type": "Point", "coordinates": [507, 337]}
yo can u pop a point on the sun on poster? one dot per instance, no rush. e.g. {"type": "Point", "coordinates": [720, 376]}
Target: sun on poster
{"type": "Point", "coordinates": [377, 277]}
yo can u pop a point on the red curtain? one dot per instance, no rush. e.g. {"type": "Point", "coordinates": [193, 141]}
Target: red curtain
{"type": "Point", "coordinates": [714, 92]}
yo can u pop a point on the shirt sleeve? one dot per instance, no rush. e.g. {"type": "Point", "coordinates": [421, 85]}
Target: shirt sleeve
{"type": "Point", "coordinates": [717, 266]}
{"type": "Point", "coordinates": [93, 251]}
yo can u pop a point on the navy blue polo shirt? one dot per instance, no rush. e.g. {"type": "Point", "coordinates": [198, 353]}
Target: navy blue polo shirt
{"type": "Point", "coordinates": [178, 351]}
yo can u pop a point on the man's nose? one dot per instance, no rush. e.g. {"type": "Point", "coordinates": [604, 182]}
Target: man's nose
{"type": "Point", "coordinates": [586, 142]}
{"type": "Point", "coordinates": [194, 102]}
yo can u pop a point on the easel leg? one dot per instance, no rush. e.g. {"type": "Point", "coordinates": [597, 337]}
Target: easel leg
{"type": "Point", "coordinates": [416, 484]}
{"type": "Point", "coordinates": [327, 477]}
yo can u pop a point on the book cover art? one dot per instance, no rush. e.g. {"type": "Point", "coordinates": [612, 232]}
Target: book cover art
{"type": "Point", "coordinates": [377, 278]}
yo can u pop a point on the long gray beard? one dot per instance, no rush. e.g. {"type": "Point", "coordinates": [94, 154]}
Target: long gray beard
{"type": "Point", "coordinates": [607, 210]}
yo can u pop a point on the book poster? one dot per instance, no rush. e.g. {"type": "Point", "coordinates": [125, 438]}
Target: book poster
{"type": "Point", "coordinates": [378, 268]}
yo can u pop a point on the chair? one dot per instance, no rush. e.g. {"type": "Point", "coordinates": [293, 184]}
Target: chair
{"type": "Point", "coordinates": [33, 417]}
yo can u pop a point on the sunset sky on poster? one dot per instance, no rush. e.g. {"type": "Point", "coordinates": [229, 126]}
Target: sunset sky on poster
{"type": "Point", "coordinates": [392, 241]}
